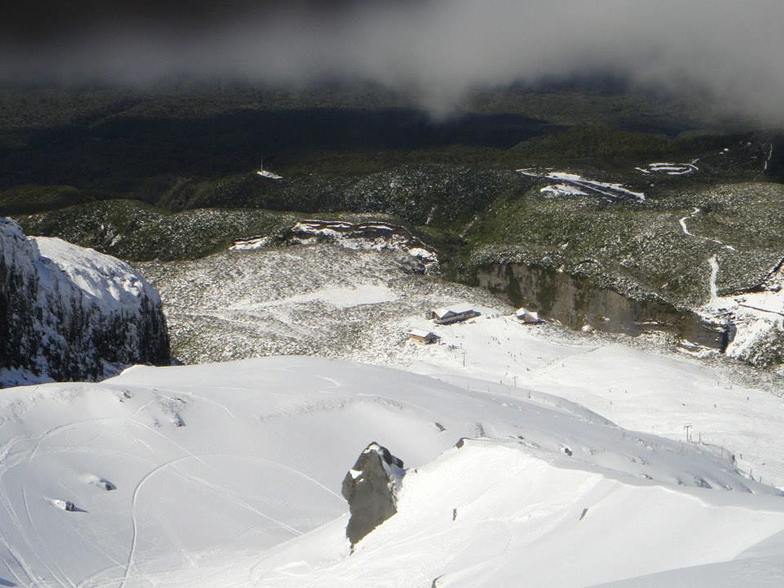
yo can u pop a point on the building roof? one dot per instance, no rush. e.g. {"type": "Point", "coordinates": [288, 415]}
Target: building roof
{"type": "Point", "coordinates": [452, 310]}
{"type": "Point", "coordinates": [528, 316]}
{"type": "Point", "coordinates": [421, 333]}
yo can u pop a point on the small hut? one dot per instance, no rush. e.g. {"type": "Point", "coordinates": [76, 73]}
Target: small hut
{"type": "Point", "coordinates": [423, 337]}
{"type": "Point", "coordinates": [528, 317]}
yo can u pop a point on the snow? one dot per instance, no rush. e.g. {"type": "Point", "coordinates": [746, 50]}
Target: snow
{"type": "Point", "coordinates": [713, 262]}
{"type": "Point", "coordinates": [683, 220]}
{"type": "Point", "coordinates": [422, 333]}
{"type": "Point", "coordinates": [758, 316]}
{"type": "Point", "coordinates": [251, 244]}
{"type": "Point", "coordinates": [769, 158]}
{"type": "Point", "coordinates": [371, 236]}
{"type": "Point", "coordinates": [642, 387]}
{"type": "Point", "coordinates": [317, 300]}
{"type": "Point", "coordinates": [688, 233]}
{"type": "Point", "coordinates": [268, 174]}
{"type": "Point", "coordinates": [613, 191]}
{"type": "Point", "coordinates": [520, 516]}
{"type": "Point", "coordinates": [105, 280]}
{"type": "Point", "coordinates": [670, 169]}
{"type": "Point", "coordinates": [339, 297]}
{"type": "Point", "coordinates": [228, 475]}
{"type": "Point", "coordinates": [562, 190]}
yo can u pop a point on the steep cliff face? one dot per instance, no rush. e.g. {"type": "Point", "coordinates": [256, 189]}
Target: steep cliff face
{"type": "Point", "coordinates": [577, 302]}
{"type": "Point", "coordinates": [69, 313]}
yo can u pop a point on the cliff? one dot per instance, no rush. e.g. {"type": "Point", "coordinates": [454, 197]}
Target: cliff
{"type": "Point", "coordinates": [69, 313]}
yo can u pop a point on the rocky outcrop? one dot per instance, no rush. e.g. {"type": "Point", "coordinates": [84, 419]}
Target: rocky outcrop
{"type": "Point", "coordinates": [414, 254]}
{"type": "Point", "coordinates": [68, 313]}
{"type": "Point", "coordinates": [577, 302]}
{"type": "Point", "coordinates": [370, 488]}
{"type": "Point", "coordinates": [371, 235]}
{"type": "Point", "coordinates": [758, 318]}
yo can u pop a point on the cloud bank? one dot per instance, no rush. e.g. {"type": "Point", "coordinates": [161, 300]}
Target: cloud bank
{"type": "Point", "coordinates": [726, 53]}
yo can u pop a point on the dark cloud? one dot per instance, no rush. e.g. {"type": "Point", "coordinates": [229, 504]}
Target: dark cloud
{"type": "Point", "coordinates": [724, 52]}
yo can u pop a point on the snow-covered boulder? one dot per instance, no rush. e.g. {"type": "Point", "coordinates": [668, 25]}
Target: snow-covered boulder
{"type": "Point", "coordinates": [69, 313]}
{"type": "Point", "coordinates": [370, 488]}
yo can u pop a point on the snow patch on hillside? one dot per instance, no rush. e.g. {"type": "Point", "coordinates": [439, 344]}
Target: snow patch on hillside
{"type": "Point", "coordinates": [269, 175]}
{"type": "Point", "coordinates": [608, 190]}
{"type": "Point", "coordinates": [369, 236]}
{"type": "Point", "coordinates": [106, 281]}
{"type": "Point", "coordinates": [562, 190]}
{"type": "Point", "coordinates": [670, 169]}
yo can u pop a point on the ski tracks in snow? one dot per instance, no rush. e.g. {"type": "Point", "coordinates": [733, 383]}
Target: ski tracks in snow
{"type": "Point", "coordinates": [222, 490]}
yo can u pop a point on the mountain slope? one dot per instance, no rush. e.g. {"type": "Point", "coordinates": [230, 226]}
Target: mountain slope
{"type": "Point", "coordinates": [71, 313]}
{"type": "Point", "coordinates": [360, 305]}
{"type": "Point", "coordinates": [229, 474]}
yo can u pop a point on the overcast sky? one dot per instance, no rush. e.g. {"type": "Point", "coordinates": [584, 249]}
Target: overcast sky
{"type": "Point", "coordinates": [727, 53]}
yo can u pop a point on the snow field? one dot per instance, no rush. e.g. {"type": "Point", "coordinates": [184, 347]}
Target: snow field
{"type": "Point", "coordinates": [228, 474]}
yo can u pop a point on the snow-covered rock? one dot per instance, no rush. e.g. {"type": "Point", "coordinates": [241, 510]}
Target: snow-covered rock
{"type": "Point", "coordinates": [373, 236]}
{"type": "Point", "coordinates": [370, 488]}
{"type": "Point", "coordinates": [70, 313]}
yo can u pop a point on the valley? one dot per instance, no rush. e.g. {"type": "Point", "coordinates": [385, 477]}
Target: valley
{"type": "Point", "coordinates": [362, 288]}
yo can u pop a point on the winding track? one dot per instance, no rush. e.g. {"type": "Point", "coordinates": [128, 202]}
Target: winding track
{"type": "Point", "coordinates": [686, 231]}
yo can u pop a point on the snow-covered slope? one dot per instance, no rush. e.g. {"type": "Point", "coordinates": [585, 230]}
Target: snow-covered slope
{"type": "Point", "coordinates": [359, 305]}
{"type": "Point", "coordinates": [229, 475]}
{"type": "Point", "coordinates": [491, 514]}
{"type": "Point", "coordinates": [71, 313]}
{"type": "Point", "coordinates": [758, 317]}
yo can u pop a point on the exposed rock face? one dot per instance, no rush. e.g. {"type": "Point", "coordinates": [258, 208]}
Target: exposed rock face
{"type": "Point", "coordinates": [68, 313]}
{"type": "Point", "coordinates": [370, 488]}
{"type": "Point", "coordinates": [376, 236]}
{"type": "Point", "coordinates": [576, 302]}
